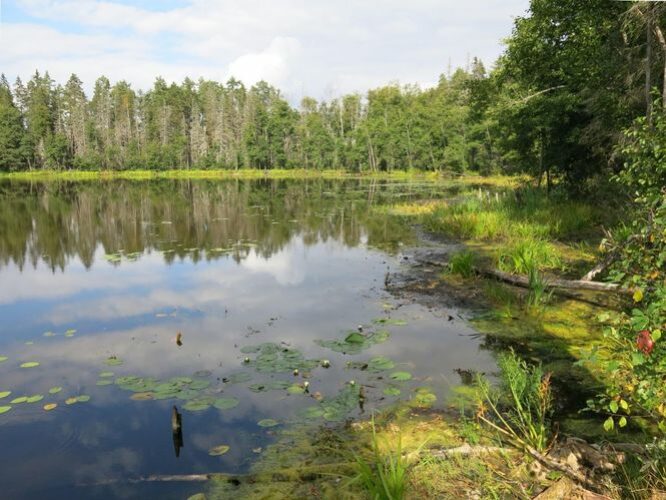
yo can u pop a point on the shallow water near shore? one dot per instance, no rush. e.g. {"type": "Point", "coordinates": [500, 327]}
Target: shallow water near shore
{"type": "Point", "coordinates": [268, 282]}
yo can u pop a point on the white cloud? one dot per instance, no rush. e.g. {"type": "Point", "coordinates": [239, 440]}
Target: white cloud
{"type": "Point", "coordinates": [273, 64]}
{"type": "Point", "coordinates": [314, 47]}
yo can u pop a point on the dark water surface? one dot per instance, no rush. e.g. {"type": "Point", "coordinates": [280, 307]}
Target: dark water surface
{"type": "Point", "coordinates": [229, 264]}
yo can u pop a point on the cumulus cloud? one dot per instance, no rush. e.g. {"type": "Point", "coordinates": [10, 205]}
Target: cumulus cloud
{"type": "Point", "coordinates": [317, 48]}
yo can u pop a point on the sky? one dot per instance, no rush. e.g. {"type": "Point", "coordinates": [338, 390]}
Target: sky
{"type": "Point", "coordinates": [319, 48]}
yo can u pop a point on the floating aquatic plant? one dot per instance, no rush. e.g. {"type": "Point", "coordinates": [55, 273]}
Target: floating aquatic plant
{"type": "Point", "coordinates": [225, 403]}
{"type": "Point", "coordinates": [355, 342]}
{"type": "Point", "coordinates": [50, 406]}
{"type": "Point", "coordinates": [389, 321]}
{"type": "Point", "coordinates": [400, 376]}
{"type": "Point", "coordinates": [29, 364]}
{"type": "Point", "coordinates": [267, 422]}
{"type": "Point", "coordinates": [4, 409]}
{"type": "Point", "coordinates": [4, 394]}
{"type": "Point", "coordinates": [391, 391]}
{"type": "Point", "coordinates": [55, 390]}
{"type": "Point", "coordinates": [216, 451]}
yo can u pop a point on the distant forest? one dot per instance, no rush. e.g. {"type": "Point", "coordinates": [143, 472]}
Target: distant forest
{"type": "Point", "coordinates": [574, 78]}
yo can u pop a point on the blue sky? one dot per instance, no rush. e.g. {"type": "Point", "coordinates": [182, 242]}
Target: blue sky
{"type": "Point", "coordinates": [320, 48]}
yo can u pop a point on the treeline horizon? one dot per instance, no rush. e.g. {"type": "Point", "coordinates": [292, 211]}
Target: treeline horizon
{"type": "Point", "coordinates": [560, 102]}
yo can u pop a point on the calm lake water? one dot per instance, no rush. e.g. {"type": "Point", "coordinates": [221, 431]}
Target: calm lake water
{"type": "Point", "coordinates": [97, 279]}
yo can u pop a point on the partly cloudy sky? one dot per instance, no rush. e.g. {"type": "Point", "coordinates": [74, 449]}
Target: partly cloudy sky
{"type": "Point", "coordinates": [321, 48]}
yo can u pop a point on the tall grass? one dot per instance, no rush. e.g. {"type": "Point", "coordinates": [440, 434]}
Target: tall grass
{"type": "Point", "coordinates": [382, 474]}
{"type": "Point", "coordinates": [462, 264]}
{"type": "Point", "coordinates": [538, 288]}
{"type": "Point", "coordinates": [529, 214]}
{"type": "Point", "coordinates": [521, 256]}
{"type": "Point", "coordinates": [520, 409]}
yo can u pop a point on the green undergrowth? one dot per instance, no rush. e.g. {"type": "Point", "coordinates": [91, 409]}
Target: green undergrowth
{"type": "Point", "coordinates": [344, 462]}
{"type": "Point", "coordinates": [516, 229]}
{"type": "Point", "coordinates": [246, 173]}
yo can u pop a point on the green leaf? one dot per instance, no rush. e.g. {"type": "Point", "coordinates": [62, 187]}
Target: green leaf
{"type": "Point", "coordinates": [267, 422]}
{"type": "Point", "coordinates": [34, 399]}
{"type": "Point", "coordinates": [400, 376]}
{"type": "Point", "coordinates": [392, 391]}
{"type": "Point", "coordinates": [4, 394]}
{"type": "Point", "coordinates": [29, 364]}
{"type": "Point", "coordinates": [4, 409]}
{"type": "Point", "coordinates": [55, 390]}
{"type": "Point", "coordinates": [225, 403]}
{"type": "Point", "coordinates": [622, 422]}
{"type": "Point", "coordinates": [216, 451]}
{"type": "Point", "coordinates": [609, 424]}
{"type": "Point", "coordinates": [613, 406]}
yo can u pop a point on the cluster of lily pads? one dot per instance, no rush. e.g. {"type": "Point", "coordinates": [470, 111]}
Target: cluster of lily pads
{"type": "Point", "coordinates": [188, 389]}
{"type": "Point", "coordinates": [355, 341]}
{"type": "Point", "coordinates": [36, 398]}
{"type": "Point", "coordinates": [273, 358]}
{"type": "Point", "coordinates": [197, 392]}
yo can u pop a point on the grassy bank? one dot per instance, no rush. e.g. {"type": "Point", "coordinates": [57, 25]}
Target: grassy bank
{"type": "Point", "coordinates": [83, 175]}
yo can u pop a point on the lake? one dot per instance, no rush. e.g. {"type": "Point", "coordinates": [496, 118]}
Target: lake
{"type": "Point", "coordinates": [277, 289]}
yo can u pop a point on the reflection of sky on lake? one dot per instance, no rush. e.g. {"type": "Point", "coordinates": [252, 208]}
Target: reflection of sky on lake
{"type": "Point", "coordinates": [310, 288]}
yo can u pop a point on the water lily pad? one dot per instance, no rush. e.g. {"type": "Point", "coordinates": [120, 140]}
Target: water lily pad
{"type": "Point", "coordinates": [216, 451]}
{"type": "Point", "coordinates": [3, 358]}
{"type": "Point", "coordinates": [103, 382]}
{"type": "Point", "coordinates": [195, 405]}
{"type": "Point", "coordinates": [400, 376]}
{"type": "Point", "coordinates": [55, 390]}
{"type": "Point", "coordinates": [105, 374]}
{"type": "Point", "coordinates": [29, 364]}
{"type": "Point", "coordinates": [83, 398]}
{"type": "Point", "coordinates": [35, 398]}
{"type": "Point", "coordinates": [4, 409]}
{"type": "Point", "coordinates": [258, 388]}
{"type": "Point", "coordinates": [389, 321]}
{"type": "Point", "coordinates": [198, 385]}
{"type": "Point", "coordinates": [225, 403]}
{"type": "Point", "coordinates": [4, 394]}
{"type": "Point", "coordinates": [424, 397]}
{"type": "Point", "coordinates": [238, 378]}
{"type": "Point", "coordinates": [70, 332]}
{"type": "Point", "coordinates": [391, 391]}
{"type": "Point", "coordinates": [71, 401]}
{"type": "Point", "coordinates": [313, 412]}
{"type": "Point", "coordinates": [113, 361]}
{"type": "Point", "coordinates": [355, 338]}
{"type": "Point", "coordinates": [380, 363]}
{"type": "Point", "coordinates": [142, 396]}
{"type": "Point", "coordinates": [296, 389]}
{"type": "Point", "coordinates": [50, 406]}
{"type": "Point", "coordinates": [355, 342]}
{"type": "Point", "coordinates": [267, 422]}
{"type": "Point", "coordinates": [277, 385]}
{"type": "Point", "coordinates": [21, 399]}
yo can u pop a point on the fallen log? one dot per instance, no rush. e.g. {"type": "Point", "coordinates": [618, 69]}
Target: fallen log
{"type": "Point", "coordinates": [523, 281]}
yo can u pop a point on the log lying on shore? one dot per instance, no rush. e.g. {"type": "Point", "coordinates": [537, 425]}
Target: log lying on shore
{"type": "Point", "coordinates": [523, 281]}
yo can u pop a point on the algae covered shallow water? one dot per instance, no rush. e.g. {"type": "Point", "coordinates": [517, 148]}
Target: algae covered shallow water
{"type": "Point", "coordinates": [261, 278]}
